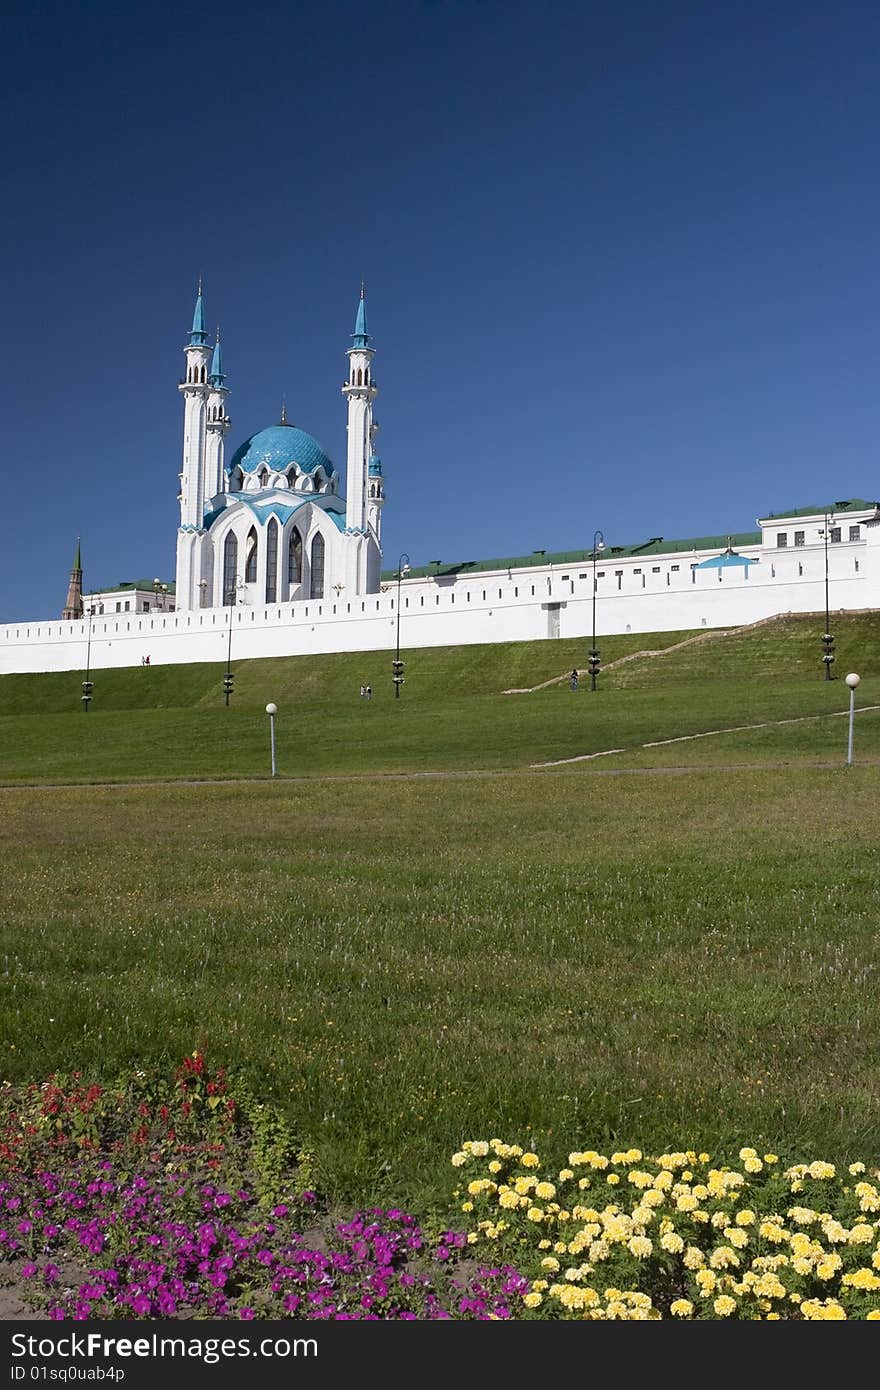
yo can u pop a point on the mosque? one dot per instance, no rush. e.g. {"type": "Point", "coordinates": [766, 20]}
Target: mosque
{"type": "Point", "coordinates": [279, 554]}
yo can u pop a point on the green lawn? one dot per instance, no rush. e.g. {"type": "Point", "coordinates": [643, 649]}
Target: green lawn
{"type": "Point", "coordinates": [558, 955]}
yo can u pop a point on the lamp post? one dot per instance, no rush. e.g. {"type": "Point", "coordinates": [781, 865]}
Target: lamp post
{"type": "Point", "coordinates": [827, 638]}
{"type": "Point", "coordinates": [598, 544]}
{"type": "Point", "coordinates": [402, 569]}
{"type": "Point", "coordinates": [231, 598]}
{"type": "Point", "coordinates": [852, 681]}
{"type": "Point", "coordinates": [87, 685]}
{"type": "Point", "coordinates": [272, 710]}
{"type": "Point", "coordinates": [160, 590]}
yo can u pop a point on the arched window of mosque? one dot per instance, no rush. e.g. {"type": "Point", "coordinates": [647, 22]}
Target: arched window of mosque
{"type": "Point", "coordinates": [237, 480]}
{"type": "Point", "coordinates": [271, 560]}
{"type": "Point", "coordinates": [250, 566]}
{"type": "Point", "coordinates": [367, 376]}
{"type": "Point", "coordinates": [264, 477]}
{"type": "Point", "coordinates": [360, 377]}
{"type": "Point", "coordinates": [294, 557]}
{"type": "Point", "coordinates": [316, 588]}
{"type": "Point", "coordinates": [230, 563]}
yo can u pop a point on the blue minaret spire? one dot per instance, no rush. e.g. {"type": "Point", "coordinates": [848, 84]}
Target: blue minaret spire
{"type": "Point", "coordinates": [216, 375]}
{"type": "Point", "coordinates": [361, 337]}
{"type": "Point", "coordinates": [198, 337]}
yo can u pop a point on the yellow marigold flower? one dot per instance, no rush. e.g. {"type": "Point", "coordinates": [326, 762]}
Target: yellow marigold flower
{"type": "Point", "coordinates": [856, 1168]}
{"type": "Point", "coordinates": [772, 1230]}
{"type": "Point", "coordinates": [565, 1174]}
{"type": "Point", "coordinates": [873, 1316]}
{"type": "Point", "coordinates": [633, 1156]}
{"type": "Point", "coordinates": [508, 1200]}
{"type": "Point", "coordinates": [494, 1166]}
{"type": "Point", "coordinates": [724, 1306]}
{"type": "Point", "coordinates": [693, 1257]}
{"type": "Point", "coordinates": [681, 1308]}
{"type": "Point", "coordinates": [720, 1219]}
{"type": "Point", "coordinates": [821, 1170]}
{"type": "Point", "coordinates": [814, 1310]}
{"type": "Point", "coordinates": [753, 1165]}
{"type": "Point", "coordinates": [737, 1237]}
{"type": "Point", "coordinates": [533, 1300]}
{"type": "Point", "coordinates": [639, 1178]}
{"type": "Point", "coordinates": [706, 1281]}
{"type": "Point", "coordinates": [654, 1198]}
{"type": "Point", "coordinates": [544, 1244]}
{"type": "Point", "coordinates": [530, 1160]}
{"type": "Point", "coordinates": [802, 1265]}
{"type": "Point", "coordinates": [828, 1267]}
{"type": "Point", "coordinates": [672, 1242]}
{"type": "Point", "coordinates": [472, 1238]}
{"type": "Point", "coordinates": [687, 1202]}
{"type": "Point", "coordinates": [875, 1259]}
{"type": "Point", "coordinates": [704, 1158]}
{"type": "Point", "coordinates": [701, 1216]}
{"type": "Point", "coordinates": [550, 1262]}
{"type": "Point", "coordinates": [663, 1181]}
{"type": "Point", "coordinates": [746, 1217]}
{"type": "Point", "coordinates": [478, 1147]}
{"type": "Point", "coordinates": [640, 1246]}
{"type": "Point", "coordinates": [772, 1317]}
{"type": "Point", "coordinates": [804, 1216]}
{"type": "Point", "coordinates": [748, 1153]}
{"type": "Point", "coordinates": [545, 1190]}
{"type": "Point", "coordinates": [835, 1232]}
{"type": "Point", "coordinates": [618, 1158]}
{"type": "Point", "coordinates": [861, 1233]}
{"type": "Point", "coordinates": [539, 1285]}
{"type": "Point", "coordinates": [458, 1159]}
{"type": "Point", "coordinates": [771, 1158]}
{"type": "Point", "coordinates": [861, 1279]}
{"type": "Point", "coordinates": [467, 1206]}
{"type": "Point", "coordinates": [612, 1179]}
{"type": "Point", "coordinates": [642, 1216]}
{"type": "Point", "coordinates": [599, 1250]}
{"type": "Point", "coordinates": [724, 1258]}
{"type": "Point", "coordinates": [481, 1185]}
{"type": "Point", "coordinates": [535, 1214]}
{"type": "Point", "coordinates": [583, 1184]}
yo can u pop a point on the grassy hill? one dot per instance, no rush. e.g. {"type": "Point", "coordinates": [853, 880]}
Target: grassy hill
{"type": "Point", "coordinates": [559, 956]}
{"type": "Point", "coordinates": [171, 722]}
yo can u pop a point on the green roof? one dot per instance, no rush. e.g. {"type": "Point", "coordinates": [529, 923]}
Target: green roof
{"type": "Point", "coordinates": [656, 545]}
{"type": "Point", "coordinates": [145, 586]}
{"type": "Point", "coordinates": [852, 504]}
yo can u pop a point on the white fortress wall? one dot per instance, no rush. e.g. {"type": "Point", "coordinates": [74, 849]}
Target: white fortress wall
{"type": "Point", "coordinates": [656, 594]}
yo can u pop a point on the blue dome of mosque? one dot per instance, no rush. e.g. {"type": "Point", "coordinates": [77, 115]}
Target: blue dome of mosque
{"type": "Point", "coordinates": [278, 447]}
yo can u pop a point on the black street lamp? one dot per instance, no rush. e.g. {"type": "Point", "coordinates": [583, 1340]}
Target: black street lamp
{"type": "Point", "coordinates": [598, 544]}
{"type": "Point", "coordinates": [402, 569]}
{"type": "Point", "coordinates": [160, 591]}
{"type": "Point", "coordinates": [88, 685]}
{"type": "Point", "coordinates": [231, 598]}
{"type": "Point", "coordinates": [827, 636]}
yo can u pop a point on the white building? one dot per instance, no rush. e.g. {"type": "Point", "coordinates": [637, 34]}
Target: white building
{"type": "Point", "coordinates": [273, 561]}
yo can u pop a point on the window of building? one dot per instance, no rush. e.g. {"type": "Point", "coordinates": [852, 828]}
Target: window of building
{"type": "Point", "coordinates": [600, 574]}
{"type": "Point", "coordinates": [294, 557]}
{"type": "Point", "coordinates": [655, 569]}
{"type": "Point", "coordinates": [673, 568]}
{"type": "Point", "coordinates": [118, 607]}
{"type": "Point", "coordinates": [146, 607]}
{"type": "Point", "coordinates": [250, 564]}
{"type": "Point", "coordinates": [582, 576]}
{"type": "Point", "coordinates": [782, 540]}
{"type": "Point", "coordinates": [834, 533]}
{"type": "Point", "coordinates": [127, 606]}
{"type": "Point", "coordinates": [230, 561]}
{"type": "Point", "coordinates": [271, 560]}
{"type": "Point", "coordinates": [855, 533]}
{"type": "Point", "coordinates": [799, 537]}
{"type": "Point", "coordinates": [317, 584]}
{"type": "Point", "coordinates": [618, 574]}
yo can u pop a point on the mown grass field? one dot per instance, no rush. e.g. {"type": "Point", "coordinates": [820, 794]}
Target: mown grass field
{"type": "Point", "coordinates": [682, 955]}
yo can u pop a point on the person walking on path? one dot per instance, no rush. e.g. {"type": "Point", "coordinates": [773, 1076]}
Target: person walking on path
{"type": "Point", "coordinates": [573, 679]}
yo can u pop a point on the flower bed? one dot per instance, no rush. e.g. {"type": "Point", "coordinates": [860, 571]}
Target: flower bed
{"type": "Point", "coordinates": [187, 1197]}
{"type": "Point", "coordinates": [679, 1235]}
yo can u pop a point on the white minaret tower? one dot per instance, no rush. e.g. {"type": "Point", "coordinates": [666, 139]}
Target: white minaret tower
{"type": "Point", "coordinates": [195, 389]}
{"type": "Point", "coordinates": [361, 392]}
{"type": "Point", "coordinates": [217, 424]}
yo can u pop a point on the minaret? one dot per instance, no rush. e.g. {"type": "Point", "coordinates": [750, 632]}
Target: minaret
{"type": "Point", "coordinates": [375, 497]}
{"type": "Point", "coordinates": [194, 389]}
{"type": "Point", "coordinates": [217, 423]}
{"type": "Point", "coordinates": [361, 391]}
{"type": "Point", "coordinates": [73, 608]}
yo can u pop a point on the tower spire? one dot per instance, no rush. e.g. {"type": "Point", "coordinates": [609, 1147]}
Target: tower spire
{"type": "Point", "coordinates": [198, 337]}
{"type": "Point", "coordinates": [216, 376]}
{"type": "Point", "coordinates": [360, 337]}
{"type": "Point", "coordinates": [73, 608]}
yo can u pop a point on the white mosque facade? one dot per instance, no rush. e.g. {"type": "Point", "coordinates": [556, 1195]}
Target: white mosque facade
{"type": "Point", "coordinates": [275, 559]}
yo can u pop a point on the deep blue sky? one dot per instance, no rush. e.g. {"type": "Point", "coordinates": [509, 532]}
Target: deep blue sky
{"type": "Point", "coordinates": [621, 262]}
